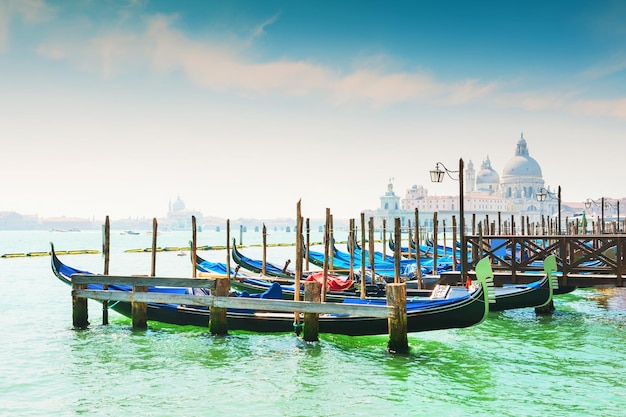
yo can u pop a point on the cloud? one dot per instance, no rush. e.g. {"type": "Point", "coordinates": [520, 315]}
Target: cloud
{"type": "Point", "coordinates": [223, 67]}
{"type": "Point", "coordinates": [614, 108]}
{"type": "Point", "coordinates": [155, 45]}
{"type": "Point", "coordinates": [30, 11]}
{"type": "Point", "coordinates": [615, 65]}
{"type": "Point", "coordinates": [260, 30]}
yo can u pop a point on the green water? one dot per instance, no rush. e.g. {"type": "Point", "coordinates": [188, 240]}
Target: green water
{"type": "Point", "coordinates": [515, 363]}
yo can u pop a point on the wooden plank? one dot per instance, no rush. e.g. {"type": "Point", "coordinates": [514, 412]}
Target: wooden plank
{"type": "Point", "coordinates": [258, 304]}
{"type": "Point", "coordinates": [143, 280]}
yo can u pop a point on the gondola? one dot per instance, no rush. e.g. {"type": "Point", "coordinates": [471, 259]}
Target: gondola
{"type": "Point", "coordinates": [444, 311]}
{"type": "Point", "coordinates": [256, 266]}
{"type": "Point", "coordinates": [535, 294]}
{"type": "Point", "coordinates": [341, 261]}
{"type": "Point", "coordinates": [339, 288]}
{"type": "Point", "coordinates": [508, 297]}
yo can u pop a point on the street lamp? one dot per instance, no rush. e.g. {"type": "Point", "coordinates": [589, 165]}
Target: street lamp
{"type": "Point", "coordinates": [617, 206]}
{"type": "Point", "coordinates": [603, 204]}
{"type": "Point", "coordinates": [541, 197]}
{"type": "Point", "coordinates": [591, 201]}
{"type": "Point", "coordinates": [437, 175]}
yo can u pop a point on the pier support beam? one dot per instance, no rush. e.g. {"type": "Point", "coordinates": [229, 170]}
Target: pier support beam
{"type": "Point", "coordinates": [398, 338]}
{"type": "Point", "coordinates": [312, 292]}
{"type": "Point", "coordinates": [80, 316]}
{"type": "Point", "coordinates": [139, 310]}
{"type": "Point", "coordinates": [218, 323]}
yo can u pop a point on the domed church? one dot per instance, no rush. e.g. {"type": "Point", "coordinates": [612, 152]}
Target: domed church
{"type": "Point", "coordinates": [519, 184]}
{"type": "Point", "coordinates": [511, 193]}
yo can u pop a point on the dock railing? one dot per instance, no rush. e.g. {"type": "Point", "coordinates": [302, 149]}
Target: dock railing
{"type": "Point", "coordinates": [583, 260]}
{"type": "Point", "coordinates": [219, 301]}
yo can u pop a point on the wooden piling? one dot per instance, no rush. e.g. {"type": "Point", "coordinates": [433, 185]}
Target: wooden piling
{"type": "Point", "coordinates": [154, 247]}
{"type": "Point", "coordinates": [473, 223]}
{"type": "Point", "coordinates": [327, 244]}
{"type": "Point", "coordinates": [80, 315]}
{"type": "Point", "coordinates": [299, 258]}
{"type": "Point", "coordinates": [398, 337]}
{"type": "Point", "coordinates": [454, 242]}
{"type": "Point", "coordinates": [363, 280]}
{"type": "Point", "coordinates": [331, 234]}
{"type": "Point", "coordinates": [352, 241]}
{"type": "Point", "coordinates": [193, 246]}
{"type": "Point", "coordinates": [139, 310]}
{"type": "Point", "coordinates": [418, 255]}
{"type": "Point", "coordinates": [264, 259]}
{"type": "Point", "coordinates": [445, 252]}
{"type": "Point", "coordinates": [312, 292]}
{"type": "Point", "coordinates": [371, 245]}
{"type": "Point", "coordinates": [384, 238]}
{"type": "Point", "coordinates": [397, 255]}
{"type": "Point", "coordinates": [435, 244]}
{"type": "Point", "coordinates": [308, 242]}
{"type": "Point", "coordinates": [106, 251]}
{"type": "Point", "coordinates": [218, 323]}
{"type": "Point", "coordinates": [228, 248]}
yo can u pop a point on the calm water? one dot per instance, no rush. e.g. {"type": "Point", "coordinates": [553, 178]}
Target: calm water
{"type": "Point", "coordinates": [514, 364]}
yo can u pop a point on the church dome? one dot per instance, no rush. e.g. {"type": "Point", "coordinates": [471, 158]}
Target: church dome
{"type": "Point", "coordinates": [487, 175]}
{"type": "Point", "coordinates": [522, 164]}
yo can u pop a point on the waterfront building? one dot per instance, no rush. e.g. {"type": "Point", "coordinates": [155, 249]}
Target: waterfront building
{"type": "Point", "coordinates": [179, 218]}
{"type": "Point", "coordinates": [487, 195]}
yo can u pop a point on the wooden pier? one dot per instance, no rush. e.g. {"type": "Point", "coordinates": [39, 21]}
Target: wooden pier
{"type": "Point", "coordinates": [583, 260]}
{"type": "Point", "coordinates": [219, 302]}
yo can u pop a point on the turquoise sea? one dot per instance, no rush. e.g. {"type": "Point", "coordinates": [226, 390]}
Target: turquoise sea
{"type": "Point", "coordinates": [515, 363]}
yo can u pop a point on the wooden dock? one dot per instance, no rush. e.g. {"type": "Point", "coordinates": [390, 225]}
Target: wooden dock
{"type": "Point", "coordinates": [219, 301]}
{"type": "Point", "coordinates": [583, 260]}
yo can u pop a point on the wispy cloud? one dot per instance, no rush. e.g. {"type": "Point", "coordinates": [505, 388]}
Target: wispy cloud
{"type": "Point", "coordinates": [603, 69]}
{"type": "Point", "coordinates": [260, 29]}
{"type": "Point", "coordinates": [28, 10]}
{"type": "Point", "coordinates": [156, 45]}
{"type": "Point", "coordinates": [224, 67]}
{"type": "Point", "coordinates": [569, 102]}
{"type": "Point", "coordinates": [614, 108]}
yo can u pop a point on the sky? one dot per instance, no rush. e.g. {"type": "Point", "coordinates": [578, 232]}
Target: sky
{"type": "Point", "coordinates": [243, 108]}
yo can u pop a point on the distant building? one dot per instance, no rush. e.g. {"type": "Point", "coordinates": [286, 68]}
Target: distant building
{"type": "Point", "coordinates": [74, 224]}
{"type": "Point", "coordinates": [179, 218]}
{"type": "Point", "coordinates": [486, 194]}
{"type": "Point", "coordinates": [10, 220]}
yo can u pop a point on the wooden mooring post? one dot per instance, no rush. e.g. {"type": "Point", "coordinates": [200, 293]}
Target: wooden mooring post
{"type": "Point", "coordinates": [398, 337]}
{"type": "Point", "coordinates": [218, 322]}
{"type": "Point", "coordinates": [139, 310]}
{"type": "Point", "coordinates": [80, 314]}
{"type": "Point", "coordinates": [106, 252]}
{"type": "Point", "coordinates": [312, 292]}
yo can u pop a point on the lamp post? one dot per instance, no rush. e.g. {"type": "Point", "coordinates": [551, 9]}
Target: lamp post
{"type": "Point", "coordinates": [608, 204]}
{"type": "Point", "coordinates": [437, 175]}
{"type": "Point", "coordinates": [591, 201]}
{"type": "Point", "coordinates": [603, 204]}
{"type": "Point", "coordinates": [541, 197]}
